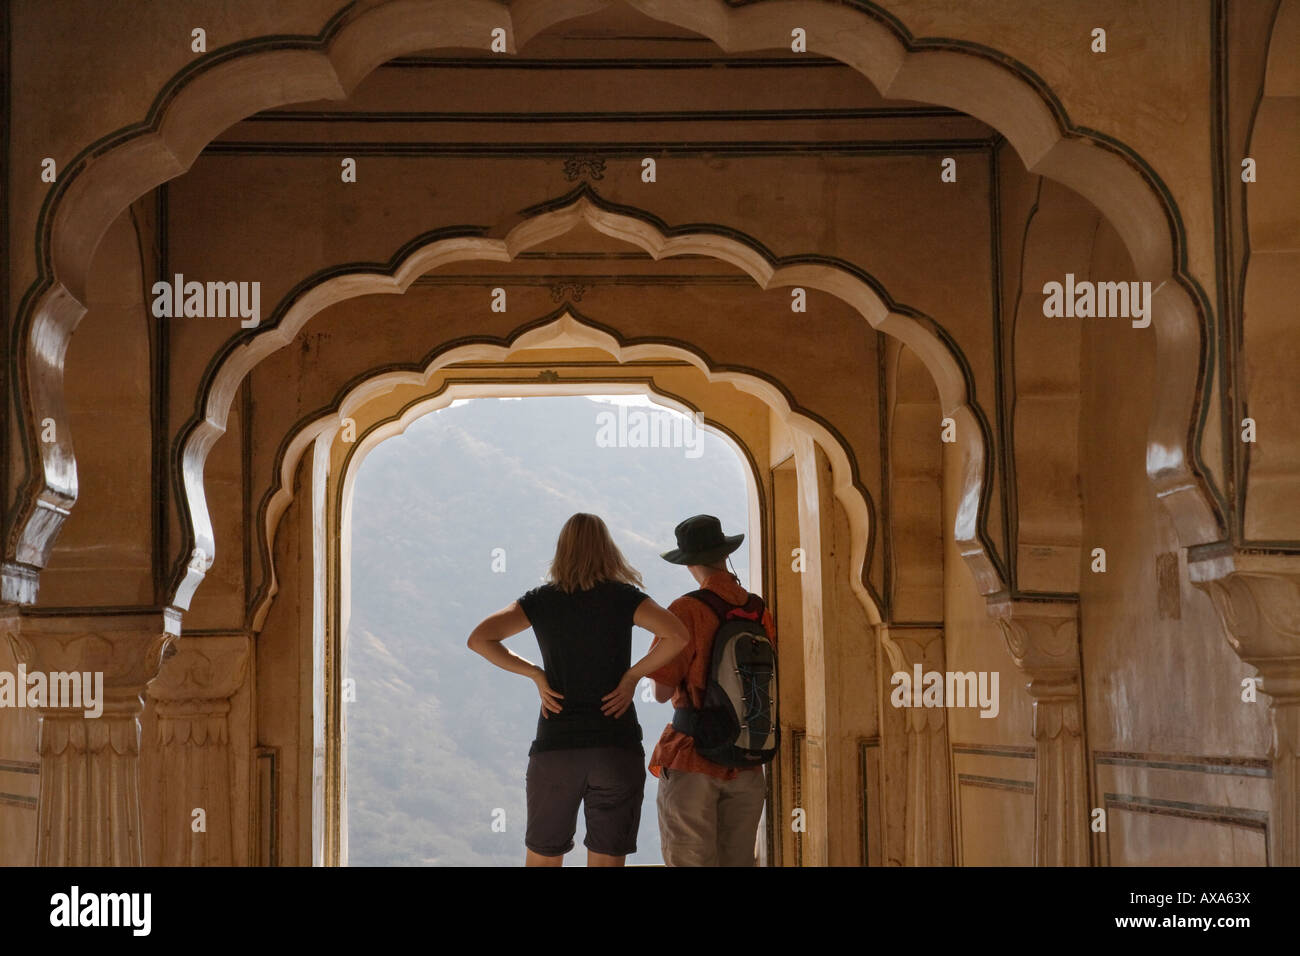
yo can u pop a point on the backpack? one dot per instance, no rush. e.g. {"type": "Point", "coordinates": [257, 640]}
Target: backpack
{"type": "Point", "coordinates": [738, 725]}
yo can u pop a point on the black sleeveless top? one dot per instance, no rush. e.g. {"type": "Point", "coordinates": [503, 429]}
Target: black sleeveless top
{"type": "Point", "coordinates": [586, 643]}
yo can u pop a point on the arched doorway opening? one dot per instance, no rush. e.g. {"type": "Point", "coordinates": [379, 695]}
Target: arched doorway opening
{"type": "Point", "coordinates": [827, 632]}
{"type": "Point", "coordinates": [455, 517]}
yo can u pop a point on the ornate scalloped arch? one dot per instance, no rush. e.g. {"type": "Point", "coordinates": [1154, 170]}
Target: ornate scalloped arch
{"type": "Point", "coordinates": [919, 333]}
{"type": "Point", "coordinates": [566, 330]}
{"type": "Point", "coordinates": [230, 84]}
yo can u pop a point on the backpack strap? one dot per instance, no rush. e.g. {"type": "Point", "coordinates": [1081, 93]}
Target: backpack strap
{"type": "Point", "coordinates": [686, 720]}
{"type": "Point", "coordinates": [714, 603]}
{"type": "Point", "coordinates": [751, 610]}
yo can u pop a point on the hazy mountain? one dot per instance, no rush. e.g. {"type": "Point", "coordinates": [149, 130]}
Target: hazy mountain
{"type": "Point", "coordinates": [437, 739]}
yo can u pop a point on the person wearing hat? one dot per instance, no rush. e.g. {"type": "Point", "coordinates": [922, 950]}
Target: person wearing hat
{"type": "Point", "coordinates": [708, 813]}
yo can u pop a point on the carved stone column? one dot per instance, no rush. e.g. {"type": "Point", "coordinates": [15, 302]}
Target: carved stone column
{"type": "Point", "coordinates": [88, 812]}
{"type": "Point", "coordinates": [928, 800]}
{"type": "Point", "coordinates": [1258, 600]}
{"type": "Point", "coordinates": [192, 699]}
{"type": "Point", "coordinates": [1043, 638]}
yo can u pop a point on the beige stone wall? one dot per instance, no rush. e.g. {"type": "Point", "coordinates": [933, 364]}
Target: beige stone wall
{"type": "Point", "coordinates": [1166, 721]}
{"type": "Point", "coordinates": [1069, 403]}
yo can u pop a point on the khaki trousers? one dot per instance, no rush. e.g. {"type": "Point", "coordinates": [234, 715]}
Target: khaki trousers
{"type": "Point", "coordinates": [705, 821]}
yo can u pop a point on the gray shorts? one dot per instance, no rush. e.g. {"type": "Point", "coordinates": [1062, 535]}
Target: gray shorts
{"type": "Point", "coordinates": [608, 781]}
{"type": "Point", "coordinates": [706, 821]}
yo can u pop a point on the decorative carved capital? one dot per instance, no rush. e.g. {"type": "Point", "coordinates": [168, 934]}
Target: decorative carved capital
{"type": "Point", "coordinates": [1260, 610]}
{"type": "Point", "coordinates": [202, 668]}
{"type": "Point", "coordinates": [192, 692]}
{"type": "Point", "coordinates": [126, 649]}
{"type": "Point", "coordinates": [63, 731]}
{"type": "Point", "coordinates": [908, 648]}
{"type": "Point", "coordinates": [1257, 597]}
{"type": "Point", "coordinates": [1043, 638]}
{"type": "Point", "coordinates": [88, 812]}
{"type": "Point", "coordinates": [916, 651]}
{"type": "Point", "coordinates": [1057, 714]}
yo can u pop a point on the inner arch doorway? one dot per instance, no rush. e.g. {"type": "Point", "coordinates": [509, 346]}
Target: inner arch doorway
{"type": "Point", "coordinates": [456, 518]}
{"type": "Point", "coordinates": [812, 668]}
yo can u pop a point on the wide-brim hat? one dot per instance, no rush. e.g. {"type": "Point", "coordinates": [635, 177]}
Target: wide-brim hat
{"type": "Point", "coordinates": [700, 541]}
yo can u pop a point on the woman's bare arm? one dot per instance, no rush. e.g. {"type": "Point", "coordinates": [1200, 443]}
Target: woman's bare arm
{"type": "Point", "coordinates": [673, 637]}
{"type": "Point", "coordinates": [487, 637]}
{"type": "Point", "coordinates": [665, 625]}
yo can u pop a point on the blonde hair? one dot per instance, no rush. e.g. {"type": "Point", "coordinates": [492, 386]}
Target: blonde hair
{"type": "Point", "coordinates": [585, 555]}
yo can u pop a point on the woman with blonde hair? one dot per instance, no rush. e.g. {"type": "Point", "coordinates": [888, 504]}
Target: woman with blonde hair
{"type": "Point", "coordinates": [588, 745]}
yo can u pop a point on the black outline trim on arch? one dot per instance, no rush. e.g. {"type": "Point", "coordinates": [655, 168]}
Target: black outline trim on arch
{"type": "Point", "coordinates": [582, 191]}
{"type": "Point", "coordinates": [25, 503]}
{"type": "Point", "coordinates": [420, 367]}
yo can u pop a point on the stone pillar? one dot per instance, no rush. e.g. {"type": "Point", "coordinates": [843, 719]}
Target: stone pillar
{"type": "Point", "coordinates": [88, 812]}
{"type": "Point", "coordinates": [816, 750]}
{"type": "Point", "coordinates": [1258, 600]}
{"type": "Point", "coordinates": [192, 699]}
{"type": "Point", "coordinates": [838, 667]}
{"type": "Point", "coordinates": [1043, 638]}
{"type": "Point", "coordinates": [928, 796]}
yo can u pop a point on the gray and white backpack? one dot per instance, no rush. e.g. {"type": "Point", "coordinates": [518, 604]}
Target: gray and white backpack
{"type": "Point", "coordinates": [737, 726]}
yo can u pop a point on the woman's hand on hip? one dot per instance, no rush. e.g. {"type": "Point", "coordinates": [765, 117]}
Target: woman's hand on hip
{"type": "Point", "coordinates": [550, 698]}
{"type": "Point", "coordinates": [619, 699]}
